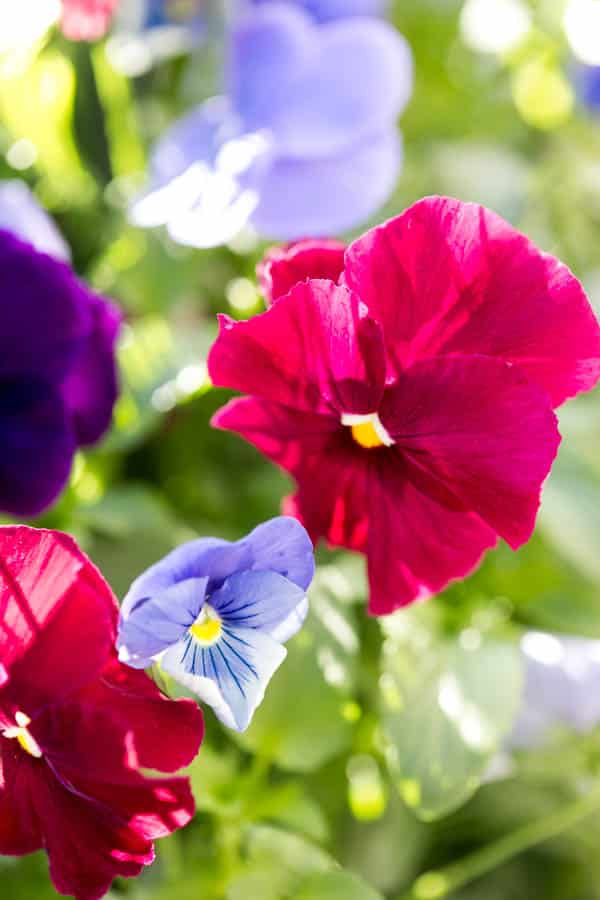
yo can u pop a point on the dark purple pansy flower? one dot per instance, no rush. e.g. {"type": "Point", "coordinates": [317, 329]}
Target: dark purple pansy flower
{"type": "Point", "coordinates": [58, 380]}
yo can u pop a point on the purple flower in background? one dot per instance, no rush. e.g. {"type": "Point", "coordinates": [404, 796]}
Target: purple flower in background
{"type": "Point", "coordinates": [58, 381]}
{"type": "Point", "coordinates": [562, 679]}
{"type": "Point", "coordinates": [587, 84]}
{"type": "Point", "coordinates": [304, 142]}
{"type": "Point", "coordinates": [327, 10]}
{"type": "Point", "coordinates": [215, 614]}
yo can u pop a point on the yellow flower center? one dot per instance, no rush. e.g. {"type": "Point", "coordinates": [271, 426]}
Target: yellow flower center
{"type": "Point", "coordinates": [24, 738]}
{"type": "Point", "coordinates": [207, 627]}
{"type": "Point", "coordinates": [366, 436]}
{"type": "Point", "coordinates": [368, 431]}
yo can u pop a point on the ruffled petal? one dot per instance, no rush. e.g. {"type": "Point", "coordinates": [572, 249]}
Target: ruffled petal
{"type": "Point", "coordinates": [204, 177]}
{"type": "Point", "coordinates": [193, 140]}
{"type": "Point", "coordinates": [45, 313]}
{"type": "Point", "coordinates": [91, 387]}
{"type": "Point", "coordinates": [447, 276]}
{"type": "Point", "coordinates": [331, 194]}
{"type": "Point", "coordinates": [283, 267]}
{"type": "Point", "coordinates": [156, 622]}
{"type": "Point", "coordinates": [417, 543]}
{"type": "Point", "coordinates": [37, 447]}
{"type": "Point", "coordinates": [282, 545]}
{"type": "Point", "coordinates": [263, 600]}
{"type": "Point", "coordinates": [21, 213]}
{"type": "Point", "coordinates": [20, 831]}
{"type": "Point", "coordinates": [57, 618]}
{"type": "Point", "coordinates": [317, 89]}
{"type": "Point", "coordinates": [231, 675]}
{"type": "Point", "coordinates": [314, 350]}
{"type": "Point", "coordinates": [331, 471]}
{"type": "Point", "coordinates": [128, 709]}
{"type": "Point", "coordinates": [490, 442]}
{"type": "Point", "coordinates": [88, 843]}
{"type": "Point", "coordinates": [210, 558]}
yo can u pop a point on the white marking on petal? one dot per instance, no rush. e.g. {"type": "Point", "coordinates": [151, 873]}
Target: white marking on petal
{"type": "Point", "coordinates": [373, 419]}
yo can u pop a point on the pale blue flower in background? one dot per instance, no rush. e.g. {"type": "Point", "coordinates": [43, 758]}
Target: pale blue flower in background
{"type": "Point", "coordinates": [587, 84]}
{"type": "Point", "coordinates": [216, 614]}
{"type": "Point", "coordinates": [304, 141]}
{"type": "Point", "coordinates": [327, 10]}
{"type": "Point", "coordinates": [561, 689]}
{"type": "Point", "coordinates": [21, 214]}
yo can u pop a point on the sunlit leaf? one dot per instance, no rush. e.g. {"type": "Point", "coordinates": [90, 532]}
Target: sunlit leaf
{"type": "Point", "coordinates": [447, 707]}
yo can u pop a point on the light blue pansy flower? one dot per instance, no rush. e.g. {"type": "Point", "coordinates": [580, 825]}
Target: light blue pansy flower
{"type": "Point", "coordinates": [328, 10]}
{"type": "Point", "coordinates": [304, 141]}
{"type": "Point", "coordinates": [216, 614]}
{"type": "Point", "coordinates": [21, 214]}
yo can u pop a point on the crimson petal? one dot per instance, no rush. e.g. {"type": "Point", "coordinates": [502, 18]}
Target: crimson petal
{"type": "Point", "coordinates": [315, 350]}
{"type": "Point", "coordinates": [490, 442]}
{"type": "Point", "coordinates": [447, 276]}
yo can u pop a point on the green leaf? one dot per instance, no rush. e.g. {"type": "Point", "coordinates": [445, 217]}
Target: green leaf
{"type": "Point", "coordinates": [282, 865]}
{"type": "Point", "coordinates": [299, 725]}
{"type": "Point", "coordinates": [447, 707]}
{"type": "Point", "coordinates": [570, 517]}
{"type": "Point", "coordinates": [339, 885]}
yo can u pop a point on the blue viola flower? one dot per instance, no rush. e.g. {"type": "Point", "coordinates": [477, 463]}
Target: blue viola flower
{"type": "Point", "coordinates": [216, 614]}
{"type": "Point", "coordinates": [303, 142]}
{"type": "Point", "coordinates": [328, 10]}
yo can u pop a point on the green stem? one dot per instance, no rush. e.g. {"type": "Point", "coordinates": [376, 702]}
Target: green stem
{"type": "Point", "coordinates": [438, 883]}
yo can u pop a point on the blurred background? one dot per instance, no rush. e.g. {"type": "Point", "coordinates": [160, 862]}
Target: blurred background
{"type": "Point", "coordinates": [358, 758]}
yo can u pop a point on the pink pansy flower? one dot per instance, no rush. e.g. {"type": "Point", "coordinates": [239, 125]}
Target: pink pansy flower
{"type": "Point", "coordinates": [407, 383]}
{"type": "Point", "coordinates": [77, 727]}
{"type": "Point", "coordinates": [86, 20]}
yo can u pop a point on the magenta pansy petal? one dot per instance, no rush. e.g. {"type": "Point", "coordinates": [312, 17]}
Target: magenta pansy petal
{"type": "Point", "coordinates": [19, 828]}
{"type": "Point", "coordinates": [491, 441]}
{"type": "Point", "coordinates": [316, 350]}
{"type": "Point", "coordinates": [417, 544]}
{"type": "Point", "coordinates": [332, 497]}
{"type": "Point", "coordinates": [447, 276]}
{"type": "Point", "coordinates": [283, 267]}
{"type": "Point", "coordinates": [38, 571]}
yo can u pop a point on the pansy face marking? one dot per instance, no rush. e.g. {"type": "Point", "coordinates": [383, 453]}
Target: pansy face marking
{"type": "Point", "coordinates": [207, 628]}
{"type": "Point", "coordinates": [368, 431]}
{"type": "Point", "coordinates": [23, 735]}
{"type": "Point", "coordinates": [216, 615]}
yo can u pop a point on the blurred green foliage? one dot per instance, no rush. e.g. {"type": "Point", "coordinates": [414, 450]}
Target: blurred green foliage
{"type": "Point", "coordinates": [362, 770]}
